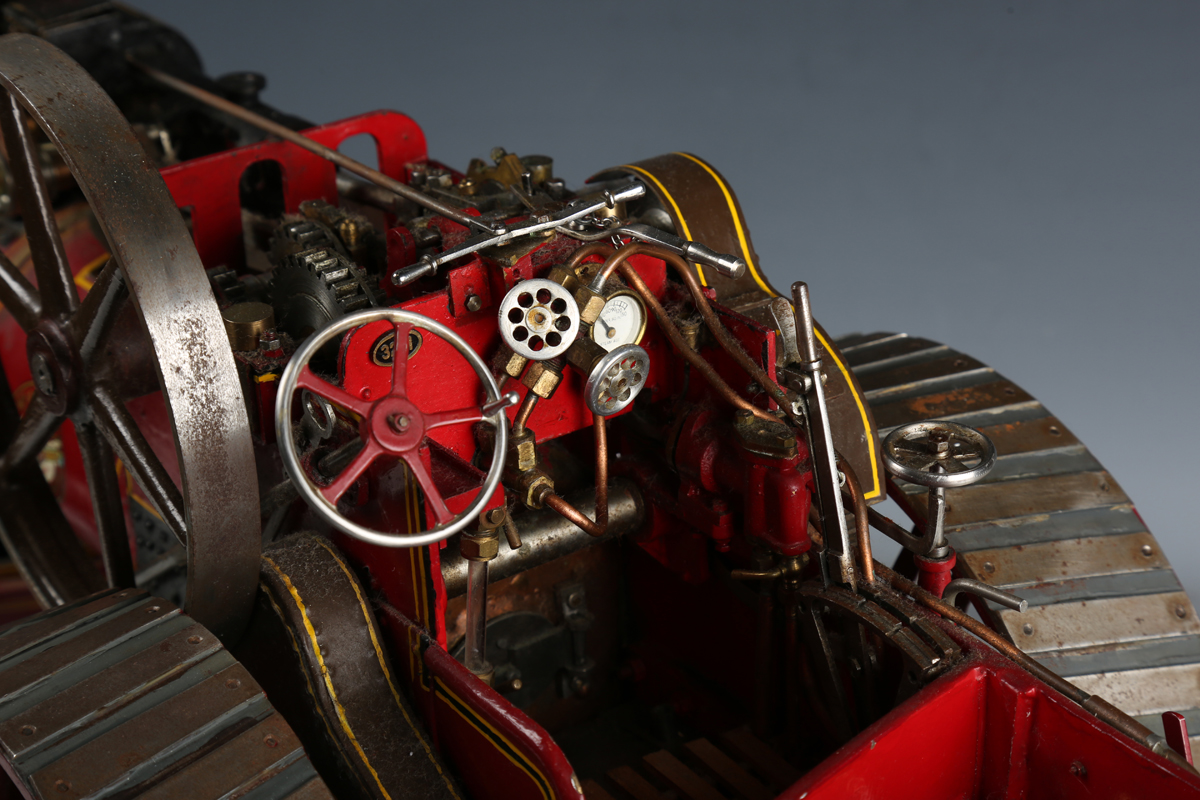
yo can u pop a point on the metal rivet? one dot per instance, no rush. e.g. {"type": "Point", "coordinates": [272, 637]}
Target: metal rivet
{"type": "Point", "coordinates": [1147, 550]}
{"type": "Point", "coordinates": [62, 786]}
{"type": "Point", "coordinates": [232, 683]}
{"type": "Point", "coordinates": [153, 609]}
{"type": "Point", "coordinates": [1054, 431]}
{"type": "Point", "coordinates": [989, 566]}
{"type": "Point", "coordinates": [195, 639]}
{"type": "Point", "coordinates": [1078, 769]}
{"type": "Point", "coordinates": [270, 741]}
{"type": "Point", "coordinates": [28, 730]}
{"type": "Point", "coordinates": [1027, 629]}
{"type": "Point", "coordinates": [1180, 612]}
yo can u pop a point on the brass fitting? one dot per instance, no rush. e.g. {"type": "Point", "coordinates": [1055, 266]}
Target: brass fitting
{"type": "Point", "coordinates": [590, 305]}
{"type": "Point", "coordinates": [542, 379]}
{"type": "Point", "coordinates": [584, 353]}
{"type": "Point", "coordinates": [534, 486]}
{"type": "Point", "coordinates": [565, 277]}
{"type": "Point", "coordinates": [479, 545]}
{"type": "Point", "coordinates": [515, 363]}
{"type": "Point", "coordinates": [523, 446]}
{"type": "Point", "coordinates": [774, 440]}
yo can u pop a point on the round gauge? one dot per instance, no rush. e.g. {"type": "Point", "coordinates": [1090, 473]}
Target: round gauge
{"type": "Point", "coordinates": [622, 321]}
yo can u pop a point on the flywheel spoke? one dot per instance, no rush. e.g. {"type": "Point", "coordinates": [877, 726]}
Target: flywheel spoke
{"type": "Point", "coordinates": [105, 490]}
{"type": "Point", "coordinates": [98, 310]}
{"type": "Point", "coordinates": [18, 295]}
{"type": "Point", "coordinates": [31, 435]}
{"type": "Point", "coordinates": [56, 282]}
{"type": "Point", "coordinates": [119, 428]}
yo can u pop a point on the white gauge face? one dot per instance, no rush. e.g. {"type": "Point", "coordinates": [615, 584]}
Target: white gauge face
{"type": "Point", "coordinates": [622, 321]}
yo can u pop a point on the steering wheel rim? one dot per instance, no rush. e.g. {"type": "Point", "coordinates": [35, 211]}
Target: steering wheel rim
{"type": "Point", "coordinates": [907, 457]}
{"type": "Point", "coordinates": [391, 441]}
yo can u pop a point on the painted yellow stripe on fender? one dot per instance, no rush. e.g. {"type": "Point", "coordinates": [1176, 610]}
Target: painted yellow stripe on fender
{"type": "Point", "coordinates": [527, 768]}
{"type": "Point", "coordinates": [312, 636]}
{"type": "Point", "coordinates": [687, 234]}
{"type": "Point", "coordinates": [766, 287]}
{"type": "Point", "coordinates": [387, 673]}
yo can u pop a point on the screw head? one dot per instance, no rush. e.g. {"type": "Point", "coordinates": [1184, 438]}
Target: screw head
{"type": "Point", "coordinates": [399, 422]}
{"type": "Point", "coordinates": [1027, 629]}
{"type": "Point", "coordinates": [474, 302]}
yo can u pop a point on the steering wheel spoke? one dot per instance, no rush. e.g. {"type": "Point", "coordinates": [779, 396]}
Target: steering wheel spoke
{"type": "Point", "coordinates": [420, 473]}
{"type": "Point", "coordinates": [440, 419]}
{"type": "Point", "coordinates": [353, 471]}
{"type": "Point", "coordinates": [307, 379]}
{"type": "Point", "coordinates": [400, 359]}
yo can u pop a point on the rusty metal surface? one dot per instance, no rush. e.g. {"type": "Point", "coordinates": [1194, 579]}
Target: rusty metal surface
{"type": "Point", "coordinates": [121, 694]}
{"type": "Point", "coordinates": [1052, 526]}
{"type": "Point", "coordinates": [153, 249]}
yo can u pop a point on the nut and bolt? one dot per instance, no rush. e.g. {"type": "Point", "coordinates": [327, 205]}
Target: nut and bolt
{"type": "Point", "coordinates": [269, 343]}
{"type": "Point", "coordinates": [473, 303]}
{"type": "Point", "coordinates": [399, 422]}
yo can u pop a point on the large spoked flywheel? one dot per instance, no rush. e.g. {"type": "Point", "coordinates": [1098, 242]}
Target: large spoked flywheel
{"type": "Point", "coordinates": [149, 323]}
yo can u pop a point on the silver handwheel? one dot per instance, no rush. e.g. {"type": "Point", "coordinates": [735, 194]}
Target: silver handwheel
{"type": "Point", "coordinates": [391, 426]}
{"type": "Point", "coordinates": [938, 454]}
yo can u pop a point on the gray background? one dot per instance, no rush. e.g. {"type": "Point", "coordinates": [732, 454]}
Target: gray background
{"type": "Point", "coordinates": [1018, 180]}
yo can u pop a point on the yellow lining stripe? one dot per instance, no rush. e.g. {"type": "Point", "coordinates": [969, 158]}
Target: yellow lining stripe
{"type": "Point", "coordinates": [687, 234]}
{"type": "Point", "coordinates": [387, 673]}
{"type": "Point", "coordinates": [312, 635]}
{"type": "Point", "coordinates": [523, 767]}
{"type": "Point", "coordinates": [766, 287]}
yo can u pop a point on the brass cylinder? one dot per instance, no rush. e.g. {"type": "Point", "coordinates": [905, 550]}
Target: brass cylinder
{"type": "Point", "coordinates": [246, 322]}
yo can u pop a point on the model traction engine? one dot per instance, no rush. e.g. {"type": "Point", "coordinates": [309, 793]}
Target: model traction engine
{"type": "Point", "coordinates": [410, 480]}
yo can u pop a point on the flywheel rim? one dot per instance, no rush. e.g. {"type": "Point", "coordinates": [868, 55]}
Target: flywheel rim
{"type": "Point", "coordinates": [167, 284]}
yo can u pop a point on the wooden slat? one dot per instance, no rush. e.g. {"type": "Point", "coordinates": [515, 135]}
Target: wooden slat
{"type": "Point", "coordinates": [1066, 560]}
{"type": "Point", "coordinates": [594, 791]}
{"type": "Point", "coordinates": [762, 758]}
{"type": "Point", "coordinates": [637, 786]}
{"type": "Point", "coordinates": [944, 404]}
{"type": "Point", "coordinates": [897, 378]}
{"type": "Point", "coordinates": [727, 771]}
{"type": "Point", "coordinates": [681, 778]}
{"type": "Point", "coordinates": [1028, 436]}
{"type": "Point", "coordinates": [984, 502]}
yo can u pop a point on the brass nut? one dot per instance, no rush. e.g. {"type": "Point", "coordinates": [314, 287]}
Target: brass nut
{"type": "Point", "coordinates": [541, 379]}
{"type": "Point", "coordinates": [515, 364]}
{"type": "Point", "coordinates": [526, 455]}
{"type": "Point", "coordinates": [590, 305]}
{"type": "Point", "coordinates": [536, 485]}
{"type": "Point", "coordinates": [479, 546]}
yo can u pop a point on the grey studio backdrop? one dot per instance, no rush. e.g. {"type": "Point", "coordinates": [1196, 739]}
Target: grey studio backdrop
{"type": "Point", "coordinates": [1018, 180]}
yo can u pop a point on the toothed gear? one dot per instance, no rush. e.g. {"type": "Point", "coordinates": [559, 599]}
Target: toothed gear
{"type": "Point", "coordinates": [312, 288]}
{"type": "Point", "coordinates": [298, 234]}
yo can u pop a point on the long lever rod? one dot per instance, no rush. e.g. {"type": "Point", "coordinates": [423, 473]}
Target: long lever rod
{"type": "Point", "coordinates": [300, 140]}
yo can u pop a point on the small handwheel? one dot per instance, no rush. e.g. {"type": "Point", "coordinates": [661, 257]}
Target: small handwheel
{"type": "Point", "coordinates": [938, 454]}
{"type": "Point", "coordinates": [391, 426]}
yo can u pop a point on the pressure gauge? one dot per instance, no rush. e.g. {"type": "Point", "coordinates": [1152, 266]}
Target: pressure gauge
{"type": "Point", "coordinates": [622, 321]}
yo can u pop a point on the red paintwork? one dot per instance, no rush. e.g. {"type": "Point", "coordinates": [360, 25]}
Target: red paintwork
{"type": "Point", "coordinates": [209, 185]}
{"type": "Point", "coordinates": [934, 574]}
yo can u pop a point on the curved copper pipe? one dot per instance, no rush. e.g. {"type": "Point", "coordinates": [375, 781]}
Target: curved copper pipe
{"type": "Point", "coordinates": [691, 356]}
{"type": "Point", "coordinates": [587, 251]}
{"type": "Point", "coordinates": [524, 413]}
{"type": "Point", "coordinates": [853, 489]}
{"type": "Point", "coordinates": [573, 514]}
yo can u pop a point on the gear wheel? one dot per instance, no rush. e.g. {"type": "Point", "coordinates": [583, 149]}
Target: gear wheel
{"type": "Point", "coordinates": [297, 234]}
{"type": "Point", "coordinates": [314, 287]}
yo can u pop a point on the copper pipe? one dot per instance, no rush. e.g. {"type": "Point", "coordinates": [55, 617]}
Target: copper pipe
{"type": "Point", "coordinates": [524, 413]}
{"type": "Point", "coordinates": [600, 526]}
{"type": "Point", "coordinates": [587, 251]}
{"type": "Point", "coordinates": [691, 356]}
{"type": "Point", "coordinates": [724, 338]}
{"type": "Point", "coordinates": [853, 489]}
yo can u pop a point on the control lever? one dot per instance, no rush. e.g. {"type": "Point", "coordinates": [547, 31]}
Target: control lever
{"type": "Point", "coordinates": [429, 264]}
{"type": "Point", "coordinates": [727, 265]}
{"type": "Point", "coordinates": [839, 555]}
{"type": "Point", "coordinates": [981, 589]}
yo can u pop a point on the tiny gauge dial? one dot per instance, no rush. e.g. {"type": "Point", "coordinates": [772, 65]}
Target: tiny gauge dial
{"type": "Point", "coordinates": [622, 321]}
